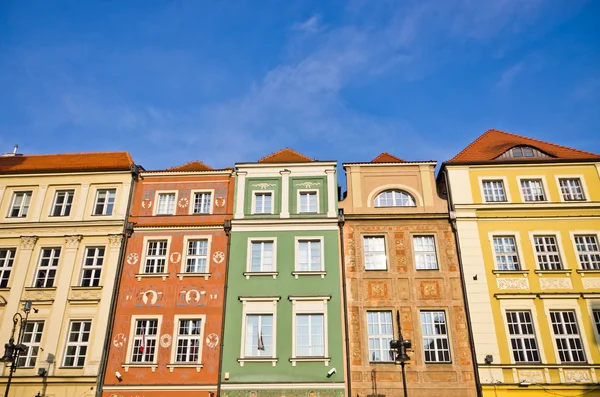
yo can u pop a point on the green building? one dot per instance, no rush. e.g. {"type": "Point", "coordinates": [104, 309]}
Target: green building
{"type": "Point", "coordinates": [283, 321]}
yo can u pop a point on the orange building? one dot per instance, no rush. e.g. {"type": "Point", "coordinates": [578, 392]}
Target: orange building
{"type": "Point", "coordinates": [167, 325]}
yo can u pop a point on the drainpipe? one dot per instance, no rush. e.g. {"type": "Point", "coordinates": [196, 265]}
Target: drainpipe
{"type": "Point", "coordinates": [452, 220]}
{"type": "Point", "coordinates": [127, 227]}
{"type": "Point", "coordinates": [344, 299]}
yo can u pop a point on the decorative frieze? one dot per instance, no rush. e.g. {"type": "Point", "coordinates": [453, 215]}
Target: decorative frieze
{"type": "Point", "coordinates": [556, 283]}
{"type": "Point", "coordinates": [263, 185]}
{"type": "Point", "coordinates": [73, 241]}
{"type": "Point", "coordinates": [590, 283]}
{"type": "Point", "coordinates": [308, 185]}
{"type": "Point", "coordinates": [531, 376]}
{"type": "Point", "coordinates": [577, 376]}
{"type": "Point", "coordinates": [512, 283]}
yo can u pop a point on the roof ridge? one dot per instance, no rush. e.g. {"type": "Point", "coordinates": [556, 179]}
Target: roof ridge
{"type": "Point", "coordinates": [384, 154]}
{"type": "Point", "coordinates": [542, 141]}
{"type": "Point", "coordinates": [474, 142]}
{"type": "Point", "coordinates": [73, 153]}
{"type": "Point", "coordinates": [274, 154]}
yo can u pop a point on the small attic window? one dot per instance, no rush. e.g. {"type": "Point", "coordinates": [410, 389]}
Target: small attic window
{"type": "Point", "coordinates": [518, 152]}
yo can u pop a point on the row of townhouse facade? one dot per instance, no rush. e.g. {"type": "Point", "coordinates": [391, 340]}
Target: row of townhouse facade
{"type": "Point", "coordinates": [265, 280]}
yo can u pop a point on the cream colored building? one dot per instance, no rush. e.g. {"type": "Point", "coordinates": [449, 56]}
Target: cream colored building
{"type": "Point", "coordinates": [62, 223]}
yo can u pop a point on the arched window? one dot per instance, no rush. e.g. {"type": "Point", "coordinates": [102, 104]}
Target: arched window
{"type": "Point", "coordinates": [394, 198]}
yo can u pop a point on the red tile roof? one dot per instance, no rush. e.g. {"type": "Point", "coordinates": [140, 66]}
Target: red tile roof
{"type": "Point", "coordinates": [493, 143]}
{"type": "Point", "coordinates": [286, 155]}
{"type": "Point", "coordinates": [69, 162]}
{"type": "Point", "coordinates": [385, 157]}
{"type": "Point", "coordinates": [191, 166]}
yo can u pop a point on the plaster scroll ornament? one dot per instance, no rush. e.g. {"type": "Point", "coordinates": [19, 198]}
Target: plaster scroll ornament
{"type": "Point", "coordinates": [590, 283]}
{"type": "Point", "coordinates": [183, 202]}
{"type": "Point", "coordinates": [119, 340]}
{"type": "Point", "coordinates": [146, 203]}
{"type": "Point", "coordinates": [308, 185]}
{"type": "Point", "coordinates": [133, 258]}
{"type": "Point", "coordinates": [175, 257]}
{"type": "Point", "coordinates": [264, 185]}
{"type": "Point", "coordinates": [218, 257]}
{"type": "Point", "coordinates": [513, 283]}
{"type": "Point", "coordinates": [578, 376]}
{"type": "Point", "coordinates": [220, 201]}
{"type": "Point", "coordinates": [115, 240]}
{"type": "Point", "coordinates": [165, 340]}
{"type": "Point", "coordinates": [556, 283]}
{"type": "Point", "coordinates": [28, 242]}
{"type": "Point", "coordinates": [73, 241]}
{"type": "Point", "coordinates": [212, 340]}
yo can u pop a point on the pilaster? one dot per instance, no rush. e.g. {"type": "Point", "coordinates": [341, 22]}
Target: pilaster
{"type": "Point", "coordinates": [81, 201]}
{"type": "Point", "coordinates": [331, 193]}
{"type": "Point", "coordinates": [285, 193]}
{"type": "Point", "coordinates": [39, 203]}
{"type": "Point", "coordinates": [239, 194]}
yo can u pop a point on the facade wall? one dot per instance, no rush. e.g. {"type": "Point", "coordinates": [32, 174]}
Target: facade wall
{"type": "Point", "coordinates": [64, 301]}
{"type": "Point", "coordinates": [174, 294]}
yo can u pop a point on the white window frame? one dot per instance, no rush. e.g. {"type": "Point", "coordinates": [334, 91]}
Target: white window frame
{"type": "Point", "coordinates": [497, 254]}
{"type": "Point", "coordinates": [585, 233]}
{"type": "Point", "coordinates": [364, 252]}
{"type": "Point", "coordinates": [436, 337]}
{"type": "Point", "coordinates": [160, 193]}
{"type": "Point", "coordinates": [176, 337]}
{"type": "Point", "coordinates": [192, 203]}
{"type": "Point", "coordinates": [299, 240]}
{"type": "Point", "coordinates": [483, 180]}
{"type": "Point", "coordinates": [258, 306]}
{"type": "Point", "coordinates": [584, 190]}
{"type": "Point", "coordinates": [299, 193]}
{"type": "Point", "coordinates": [524, 305]}
{"type": "Point", "coordinates": [23, 208]}
{"type": "Point", "coordinates": [31, 345]}
{"type": "Point", "coordinates": [310, 305]}
{"type": "Point", "coordinates": [596, 321]}
{"type": "Point", "coordinates": [184, 257]}
{"type": "Point", "coordinates": [377, 200]}
{"type": "Point", "coordinates": [132, 338]}
{"type": "Point", "coordinates": [566, 305]}
{"type": "Point", "coordinates": [147, 239]}
{"type": "Point", "coordinates": [105, 204]}
{"type": "Point", "coordinates": [78, 344]}
{"type": "Point", "coordinates": [65, 204]}
{"type": "Point", "coordinates": [258, 192]}
{"type": "Point", "coordinates": [579, 335]}
{"type": "Point", "coordinates": [95, 268]}
{"type": "Point", "coordinates": [557, 238]}
{"type": "Point", "coordinates": [52, 259]}
{"type": "Point", "coordinates": [7, 264]}
{"type": "Point", "coordinates": [528, 179]}
{"type": "Point", "coordinates": [249, 255]}
{"type": "Point", "coordinates": [383, 339]}
{"type": "Point", "coordinates": [425, 253]}
{"type": "Point", "coordinates": [522, 337]}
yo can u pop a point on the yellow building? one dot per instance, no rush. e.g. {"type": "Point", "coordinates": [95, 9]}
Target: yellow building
{"type": "Point", "coordinates": [62, 221]}
{"type": "Point", "coordinates": [527, 215]}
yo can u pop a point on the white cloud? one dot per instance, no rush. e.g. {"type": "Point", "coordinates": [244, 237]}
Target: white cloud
{"type": "Point", "coordinates": [311, 25]}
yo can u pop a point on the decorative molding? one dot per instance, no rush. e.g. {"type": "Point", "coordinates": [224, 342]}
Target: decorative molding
{"type": "Point", "coordinates": [73, 241]}
{"type": "Point", "coordinates": [115, 240]}
{"type": "Point", "coordinates": [175, 257]}
{"type": "Point", "coordinates": [28, 242]}
{"type": "Point", "coordinates": [119, 340]}
{"type": "Point", "coordinates": [556, 283]}
{"type": "Point", "coordinates": [512, 283]}
{"type": "Point", "coordinates": [263, 185]}
{"type": "Point", "coordinates": [531, 376]}
{"type": "Point", "coordinates": [218, 257]}
{"type": "Point", "coordinates": [165, 340]}
{"type": "Point", "coordinates": [88, 295]}
{"type": "Point", "coordinates": [40, 294]}
{"type": "Point", "coordinates": [212, 340]}
{"type": "Point", "coordinates": [183, 202]}
{"type": "Point", "coordinates": [147, 203]}
{"type": "Point", "coordinates": [220, 201]}
{"type": "Point", "coordinates": [577, 376]}
{"type": "Point", "coordinates": [308, 185]}
{"type": "Point", "coordinates": [133, 258]}
{"type": "Point", "coordinates": [589, 283]}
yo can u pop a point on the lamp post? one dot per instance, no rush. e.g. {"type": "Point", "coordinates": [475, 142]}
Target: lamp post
{"type": "Point", "coordinates": [400, 346]}
{"type": "Point", "coordinates": [12, 350]}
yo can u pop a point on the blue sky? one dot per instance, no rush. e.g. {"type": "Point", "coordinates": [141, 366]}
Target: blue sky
{"type": "Point", "coordinates": [227, 82]}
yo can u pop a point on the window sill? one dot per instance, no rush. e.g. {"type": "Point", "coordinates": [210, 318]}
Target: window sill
{"type": "Point", "coordinates": [438, 362]}
{"type": "Point", "coordinates": [274, 274]}
{"type": "Point", "coordinates": [559, 271]}
{"type": "Point", "coordinates": [424, 270]}
{"type": "Point", "coordinates": [182, 275]}
{"type": "Point", "coordinates": [511, 272]}
{"type": "Point", "coordinates": [101, 215]}
{"type": "Point", "coordinates": [382, 363]}
{"type": "Point", "coordinates": [376, 270]}
{"type": "Point", "coordinates": [82, 288]}
{"type": "Point", "coordinates": [140, 276]}
{"type": "Point", "coordinates": [324, 360]}
{"type": "Point", "coordinates": [45, 289]}
{"type": "Point", "coordinates": [61, 368]}
{"type": "Point", "coordinates": [139, 365]}
{"type": "Point", "coordinates": [583, 272]}
{"type": "Point", "coordinates": [310, 273]}
{"type": "Point", "coordinates": [244, 360]}
{"type": "Point", "coordinates": [198, 366]}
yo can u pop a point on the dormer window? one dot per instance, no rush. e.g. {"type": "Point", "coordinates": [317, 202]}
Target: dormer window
{"type": "Point", "coordinates": [519, 152]}
{"type": "Point", "coordinates": [394, 198]}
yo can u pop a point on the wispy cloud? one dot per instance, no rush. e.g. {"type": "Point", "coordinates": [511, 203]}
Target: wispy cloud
{"type": "Point", "coordinates": [311, 25]}
{"type": "Point", "coordinates": [508, 76]}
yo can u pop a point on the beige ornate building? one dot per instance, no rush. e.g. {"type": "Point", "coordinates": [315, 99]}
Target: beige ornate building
{"type": "Point", "coordinates": [62, 223]}
{"type": "Point", "coordinates": [400, 256]}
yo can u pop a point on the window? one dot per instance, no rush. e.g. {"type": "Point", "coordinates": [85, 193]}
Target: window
{"type": "Point", "coordinates": [202, 202]}
{"type": "Point", "coordinates": [197, 253]}
{"type": "Point", "coordinates": [571, 189]}
{"type": "Point", "coordinates": [522, 336]}
{"type": "Point", "coordinates": [493, 191]}
{"type": "Point", "coordinates": [259, 335]}
{"type": "Point", "coordinates": [188, 341]}
{"type": "Point", "coordinates": [165, 204]}
{"type": "Point", "coordinates": [32, 338]}
{"type": "Point", "coordinates": [7, 258]}
{"type": "Point", "coordinates": [587, 252]}
{"type": "Point", "coordinates": [310, 335]}
{"type": "Point", "coordinates": [597, 320]}
{"type": "Point", "coordinates": [505, 250]}
{"type": "Point", "coordinates": [105, 202]}
{"type": "Point", "coordinates": [144, 341]}
{"type": "Point", "coordinates": [435, 337]}
{"type": "Point", "coordinates": [425, 257]}
{"type": "Point", "coordinates": [79, 336]}
{"type": "Point", "coordinates": [394, 198]}
{"type": "Point", "coordinates": [522, 151]}
{"type": "Point", "coordinates": [380, 330]}
{"type": "Point", "coordinates": [546, 250]}
{"type": "Point", "coordinates": [263, 203]}
{"type": "Point", "coordinates": [92, 266]}
{"type": "Point", "coordinates": [375, 258]}
{"type": "Point", "coordinates": [20, 205]}
{"type": "Point", "coordinates": [47, 268]}
{"type": "Point", "coordinates": [566, 335]}
{"type": "Point", "coordinates": [62, 202]}
{"type": "Point", "coordinates": [262, 256]}
{"type": "Point", "coordinates": [308, 202]}
{"type": "Point", "coordinates": [156, 256]}
{"type": "Point", "coordinates": [309, 256]}
{"type": "Point", "coordinates": [533, 190]}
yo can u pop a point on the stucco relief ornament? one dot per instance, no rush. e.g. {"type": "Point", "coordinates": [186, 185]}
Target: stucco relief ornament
{"type": "Point", "coordinates": [165, 340]}
{"type": "Point", "coordinates": [28, 242]}
{"type": "Point", "coordinates": [220, 201]}
{"type": "Point", "coordinates": [218, 257]}
{"type": "Point", "coordinates": [308, 185]}
{"type": "Point", "coordinates": [264, 185]}
{"type": "Point", "coordinates": [150, 296]}
{"type": "Point", "coordinates": [212, 340]}
{"type": "Point", "coordinates": [115, 240]}
{"type": "Point", "coordinates": [175, 257]}
{"type": "Point", "coordinates": [119, 340]}
{"type": "Point", "coordinates": [133, 258]}
{"type": "Point", "coordinates": [146, 203]}
{"type": "Point", "coordinates": [183, 202]}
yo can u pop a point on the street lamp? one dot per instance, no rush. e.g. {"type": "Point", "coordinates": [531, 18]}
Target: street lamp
{"type": "Point", "coordinates": [400, 346]}
{"type": "Point", "coordinates": [12, 350]}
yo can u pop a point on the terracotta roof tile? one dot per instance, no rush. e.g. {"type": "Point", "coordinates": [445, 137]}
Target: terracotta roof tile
{"type": "Point", "coordinates": [493, 143]}
{"type": "Point", "coordinates": [68, 162]}
{"type": "Point", "coordinates": [286, 155]}
{"type": "Point", "coordinates": [191, 166]}
{"type": "Point", "coordinates": [385, 157]}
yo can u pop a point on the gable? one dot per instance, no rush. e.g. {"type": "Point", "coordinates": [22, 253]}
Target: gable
{"type": "Point", "coordinates": [286, 155]}
{"type": "Point", "coordinates": [385, 157]}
